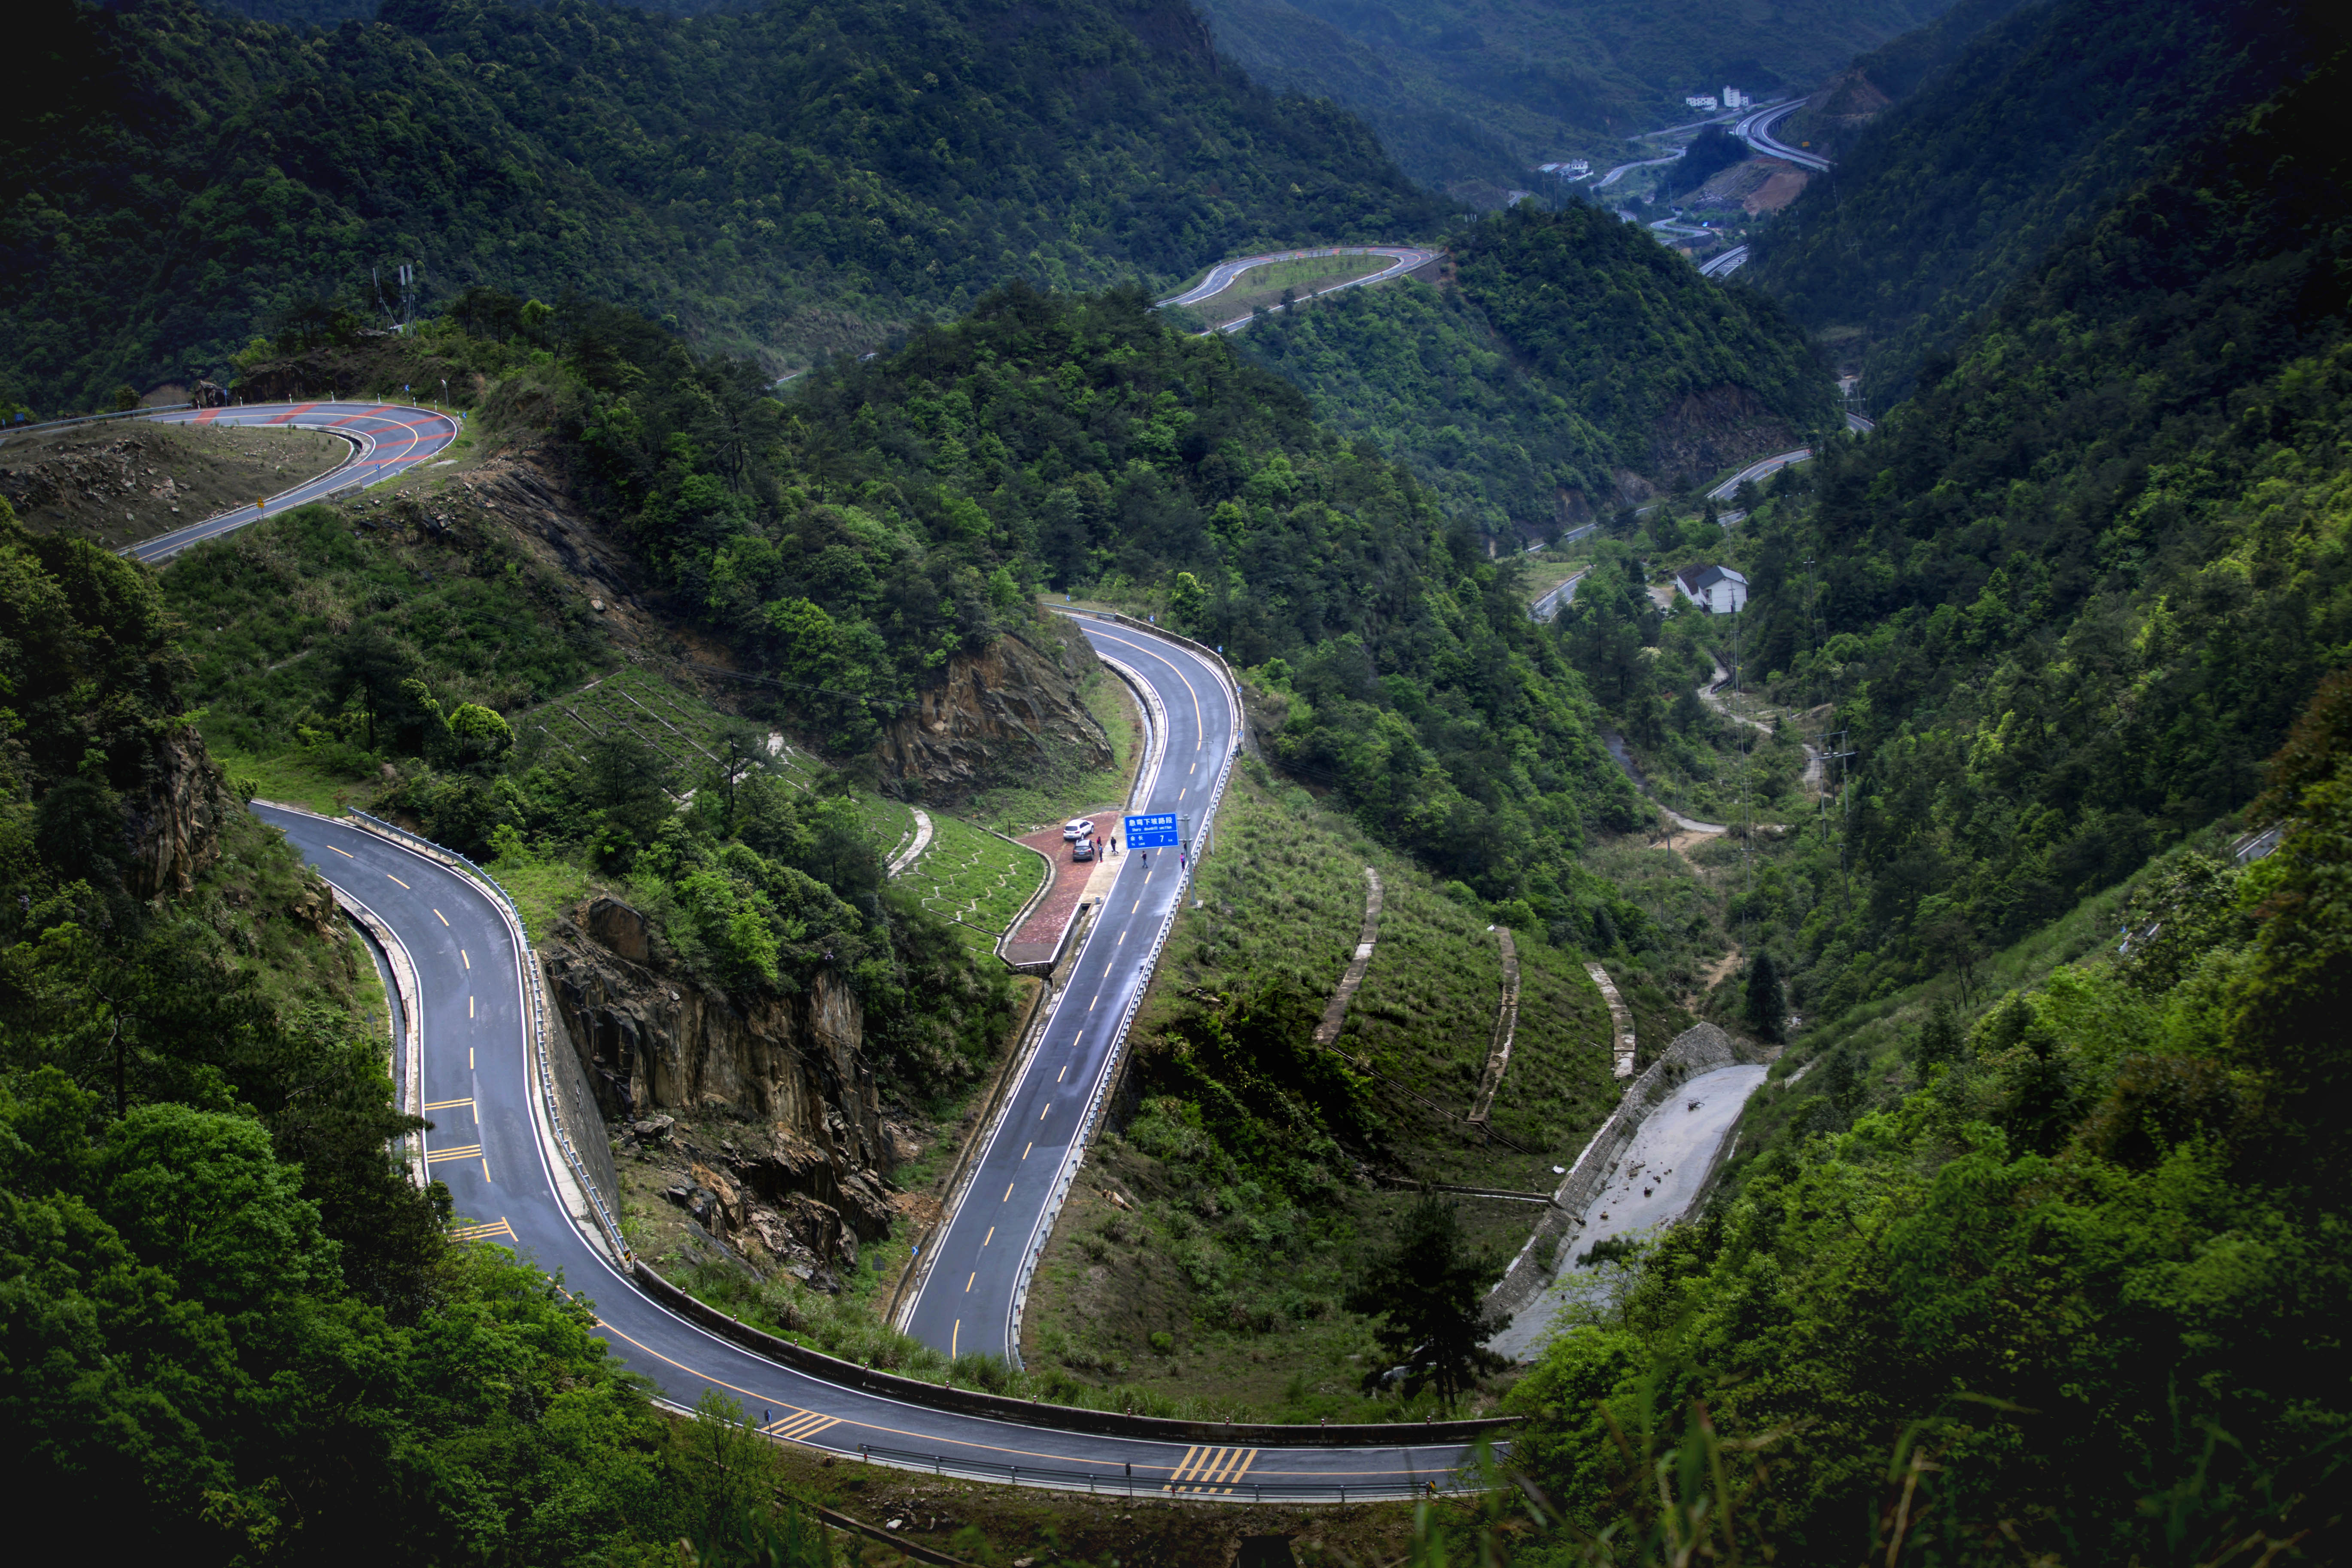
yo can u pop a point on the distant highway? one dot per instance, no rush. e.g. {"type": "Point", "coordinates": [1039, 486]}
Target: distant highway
{"type": "Point", "coordinates": [1756, 130]}
{"type": "Point", "coordinates": [1860, 425]}
{"type": "Point", "coordinates": [1559, 599]}
{"type": "Point", "coordinates": [1221, 276]}
{"type": "Point", "coordinates": [1724, 266]}
{"type": "Point", "coordinates": [1613, 176]}
{"type": "Point", "coordinates": [1761, 469]}
{"type": "Point", "coordinates": [386, 438]}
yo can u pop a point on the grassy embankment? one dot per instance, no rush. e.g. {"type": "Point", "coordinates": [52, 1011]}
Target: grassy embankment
{"type": "Point", "coordinates": [1263, 286]}
{"type": "Point", "coordinates": [1228, 1281]}
{"type": "Point", "coordinates": [975, 879]}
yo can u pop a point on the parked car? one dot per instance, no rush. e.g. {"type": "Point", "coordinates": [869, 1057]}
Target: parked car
{"type": "Point", "coordinates": [1078, 827]}
{"type": "Point", "coordinates": [1084, 850]}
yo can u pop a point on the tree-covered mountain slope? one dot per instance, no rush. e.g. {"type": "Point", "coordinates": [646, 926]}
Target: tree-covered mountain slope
{"type": "Point", "coordinates": [852, 538]}
{"type": "Point", "coordinates": [2039, 123]}
{"type": "Point", "coordinates": [1488, 88]}
{"type": "Point", "coordinates": [786, 182]}
{"type": "Point", "coordinates": [2066, 598]}
{"type": "Point", "coordinates": [1572, 363]}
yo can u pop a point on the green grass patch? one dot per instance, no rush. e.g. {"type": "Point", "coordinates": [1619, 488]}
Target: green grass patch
{"type": "Point", "coordinates": [975, 879]}
{"type": "Point", "coordinates": [1245, 1268]}
{"type": "Point", "coordinates": [1264, 285]}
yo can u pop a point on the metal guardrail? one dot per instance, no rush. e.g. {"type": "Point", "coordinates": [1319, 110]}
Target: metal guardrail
{"type": "Point", "coordinates": [536, 996]}
{"type": "Point", "coordinates": [1067, 1176]}
{"type": "Point", "coordinates": [79, 419]}
{"type": "Point", "coordinates": [1101, 1483]}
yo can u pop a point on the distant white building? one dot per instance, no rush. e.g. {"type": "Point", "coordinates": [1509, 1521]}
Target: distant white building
{"type": "Point", "coordinates": [1701, 100]}
{"type": "Point", "coordinates": [1734, 99]}
{"type": "Point", "coordinates": [1717, 590]}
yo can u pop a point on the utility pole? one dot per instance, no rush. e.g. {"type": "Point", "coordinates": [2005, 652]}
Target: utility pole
{"type": "Point", "coordinates": [1845, 819]}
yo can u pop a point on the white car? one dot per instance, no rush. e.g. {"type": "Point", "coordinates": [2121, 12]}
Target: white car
{"type": "Point", "coordinates": [1078, 827]}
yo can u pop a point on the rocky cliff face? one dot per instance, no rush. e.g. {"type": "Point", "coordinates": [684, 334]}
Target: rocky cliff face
{"type": "Point", "coordinates": [1713, 429]}
{"type": "Point", "coordinates": [754, 1114]}
{"type": "Point", "coordinates": [175, 831]}
{"type": "Point", "coordinates": [1014, 711]}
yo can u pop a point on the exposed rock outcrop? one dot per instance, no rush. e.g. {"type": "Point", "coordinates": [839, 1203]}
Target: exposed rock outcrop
{"type": "Point", "coordinates": [175, 831]}
{"type": "Point", "coordinates": [762, 1122]}
{"type": "Point", "coordinates": [1713, 429]}
{"type": "Point", "coordinates": [1013, 712]}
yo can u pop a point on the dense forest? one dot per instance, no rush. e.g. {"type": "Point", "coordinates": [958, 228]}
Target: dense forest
{"type": "Point", "coordinates": [2065, 1280]}
{"type": "Point", "coordinates": [1574, 356]}
{"type": "Point", "coordinates": [2044, 118]}
{"type": "Point", "coordinates": [2046, 1264]}
{"type": "Point", "coordinates": [785, 182]}
{"type": "Point", "coordinates": [888, 513]}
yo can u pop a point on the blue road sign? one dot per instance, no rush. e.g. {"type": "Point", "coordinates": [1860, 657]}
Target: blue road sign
{"type": "Point", "coordinates": [1155, 832]}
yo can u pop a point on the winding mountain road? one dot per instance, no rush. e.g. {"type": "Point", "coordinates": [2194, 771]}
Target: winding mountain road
{"type": "Point", "coordinates": [1756, 130]}
{"type": "Point", "coordinates": [386, 438]}
{"type": "Point", "coordinates": [974, 1283]}
{"type": "Point", "coordinates": [1404, 259]}
{"type": "Point", "coordinates": [490, 1144]}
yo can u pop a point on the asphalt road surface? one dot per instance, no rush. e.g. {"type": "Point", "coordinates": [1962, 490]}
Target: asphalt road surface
{"type": "Point", "coordinates": [1559, 599]}
{"type": "Point", "coordinates": [1756, 130]}
{"type": "Point", "coordinates": [387, 439]}
{"type": "Point", "coordinates": [970, 1283]}
{"type": "Point", "coordinates": [1760, 470]}
{"type": "Point", "coordinates": [1404, 259]}
{"type": "Point", "coordinates": [487, 1145]}
{"type": "Point", "coordinates": [1724, 266]}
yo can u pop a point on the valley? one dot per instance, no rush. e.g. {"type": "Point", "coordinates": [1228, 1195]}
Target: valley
{"type": "Point", "coordinates": [1730, 975]}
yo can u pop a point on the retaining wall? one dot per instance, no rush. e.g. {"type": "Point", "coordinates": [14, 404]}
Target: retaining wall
{"type": "Point", "coordinates": [1701, 1049]}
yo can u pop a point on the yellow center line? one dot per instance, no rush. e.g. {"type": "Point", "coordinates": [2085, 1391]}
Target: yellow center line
{"type": "Point", "coordinates": [442, 917]}
{"type": "Point", "coordinates": [966, 1284]}
{"type": "Point", "coordinates": [469, 962]}
{"type": "Point", "coordinates": [470, 1006]}
{"type": "Point", "coordinates": [1008, 1194]}
{"type": "Point", "coordinates": [1063, 1074]}
{"type": "Point", "coordinates": [446, 1104]}
{"type": "Point", "coordinates": [469, 1058]}
{"type": "Point", "coordinates": [1075, 1461]}
{"type": "Point", "coordinates": [397, 880]}
{"type": "Point", "coordinates": [1041, 1111]}
{"type": "Point", "coordinates": [344, 853]}
{"type": "Point", "coordinates": [1024, 1153]}
{"type": "Point", "coordinates": [486, 1167]}
{"type": "Point", "coordinates": [990, 1236]}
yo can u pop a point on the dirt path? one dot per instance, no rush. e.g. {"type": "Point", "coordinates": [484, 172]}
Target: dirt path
{"type": "Point", "coordinates": [1712, 695]}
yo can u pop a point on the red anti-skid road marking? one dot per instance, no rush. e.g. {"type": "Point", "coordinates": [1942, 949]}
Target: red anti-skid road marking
{"type": "Point", "coordinates": [292, 413]}
{"type": "Point", "coordinates": [206, 417]}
